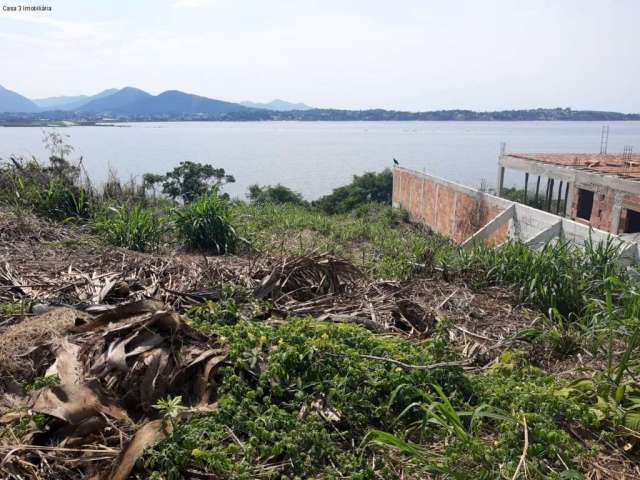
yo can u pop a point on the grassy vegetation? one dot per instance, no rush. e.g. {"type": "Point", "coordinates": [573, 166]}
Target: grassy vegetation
{"type": "Point", "coordinates": [305, 399]}
{"type": "Point", "coordinates": [300, 400]}
{"type": "Point", "coordinates": [376, 238]}
{"type": "Point", "coordinates": [207, 224]}
{"type": "Point", "coordinates": [133, 227]}
{"type": "Point", "coordinates": [560, 276]}
{"type": "Point", "coordinates": [374, 420]}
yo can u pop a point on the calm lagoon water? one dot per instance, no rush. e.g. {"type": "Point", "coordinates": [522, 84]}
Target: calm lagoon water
{"type": "Point", "coordinates": [315, 157]}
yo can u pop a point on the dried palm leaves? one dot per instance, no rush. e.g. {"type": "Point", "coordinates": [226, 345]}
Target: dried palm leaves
{"type": "Point", "coordinates": [111, 371]}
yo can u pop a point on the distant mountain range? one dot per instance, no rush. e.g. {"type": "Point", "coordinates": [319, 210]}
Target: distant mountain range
{"type": "Point", "coordinates": [277, 105]}
{"type": "Point", "coordinates": [130, 101]}
{"type": "Point", "coordinates": [70, 103]}
{"type": "Point", "coordinates": [118, 100]}
{"type": "Point", "coordinates": [133, 104]}
{"type": "Point", "coordinates": [14, 102]}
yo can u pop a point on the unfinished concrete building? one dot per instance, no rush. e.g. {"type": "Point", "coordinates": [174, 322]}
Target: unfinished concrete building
{"type": "Point", "coordinates": [597, 190]}
{"type": "Point", "coordinates": [467, 214]}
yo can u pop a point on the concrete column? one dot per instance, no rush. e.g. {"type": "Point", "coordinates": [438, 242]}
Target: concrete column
{"type": "Point", "coordinates": [566, 199]}
{"type": "Point", "coordinates": [559, 198]}
{"type": "Point", "coordinates": [569, 201]}
{"type": "Point", "coordinates": [545, 205]}
{"type": "Point", "coordinates": [500, 180]}
{"type": "Point", "coordinates": [616, 211]}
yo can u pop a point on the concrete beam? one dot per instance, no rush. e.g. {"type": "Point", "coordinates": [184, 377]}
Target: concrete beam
{"type": "Point", "coordinates": [543, 236]}
{"type": "Point", "coordinates": [491, 227]}
{"type": "Point", "coordinates": [536, 168]}
{"type": "Point", "coordinates": [629, 251]}
{"type": "Point", "coordinates": [571, 174]}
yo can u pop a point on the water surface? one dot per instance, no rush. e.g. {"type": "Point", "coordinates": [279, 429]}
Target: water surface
{"type": "Point", "coordinates": [315, 157]}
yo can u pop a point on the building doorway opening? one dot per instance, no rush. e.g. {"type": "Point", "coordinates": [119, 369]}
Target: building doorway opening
{"type": "Point", "coordinates": [633, 222]}
{"type": "Point", "coordinates": [585, 204]}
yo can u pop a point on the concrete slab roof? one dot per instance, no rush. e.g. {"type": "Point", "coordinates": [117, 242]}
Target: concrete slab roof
{"type": "Point", "coordinates": [621, 165]}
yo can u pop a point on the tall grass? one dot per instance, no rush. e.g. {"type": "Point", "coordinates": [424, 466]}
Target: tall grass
{"type": "Point", "coordinates": [207, 224]}
{"type": "Point", "coordinates": [133, 227]}
{"type": "Point", "coordinates": [53, 191]}
{"type": "Point", "coordinates": [561, 277]}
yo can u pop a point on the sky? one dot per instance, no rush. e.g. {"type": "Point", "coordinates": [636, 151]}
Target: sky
{"type": "Point", "coordinates": [396, 54]}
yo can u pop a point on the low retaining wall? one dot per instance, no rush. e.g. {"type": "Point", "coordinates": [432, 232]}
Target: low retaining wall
{"type": "Point", "coordinates": [466, 214]}
{"type": "Point", "coordinates": [447, 207]}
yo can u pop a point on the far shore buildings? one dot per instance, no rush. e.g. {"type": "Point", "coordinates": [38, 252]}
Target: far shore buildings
{"type": "Point", "coordinates": [598, 190]}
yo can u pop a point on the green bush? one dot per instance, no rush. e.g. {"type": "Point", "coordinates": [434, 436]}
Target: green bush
{"type": "Point", "coordinates": [301, 395]}
{"type": "Point", "coordinates": [274, 194]}
{"type": "Point", "coordinates": [190, 180]}
{"type": "Point", "coordinates": [53, 190]}
{"type": "Point", "coordinates": [206, 224]}
{"type": "Point", "coordinates": [374, 236]}
{"type": "Point", "coordinates": [384, 214]}
{"type": "Point", "coordinates": [133, 227]}
{"type": "Point", "coordinates": [60, 202]}
{"type": "Point", "coordinates": [370, 187]}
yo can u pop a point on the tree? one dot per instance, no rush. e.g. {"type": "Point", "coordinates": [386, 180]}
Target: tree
{"type": "Point", "coordinates": [369, 187]}
{"type": "Point", "coordinates": [191, 180]}
{"type": "Point", "coordinates": [59, 167]}
{"type": "Point", "coordinates": [150, 180]}
{"type": "Point", "coordinates": [277, 194]}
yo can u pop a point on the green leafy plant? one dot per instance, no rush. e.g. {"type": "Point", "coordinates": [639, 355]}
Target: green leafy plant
{"type": "Point", "coordinates": [369, 187]}
{"type": "Point", "coordinates": [225, 311]}
{"type": "Point", "coordinates": [133, 227]}
{"type": "Point", "coordinates": [170, 408]}
{"type": "Point", "coordinates": [191, 180]}
{"type": "Point", "coordinates": [207, 224]}
{"type": "Point", "coordinates": [618, 405]}
{"type": "Point", "coordinates": [277, 194]}
{"type": "Point", "coordinates": [43, 382]}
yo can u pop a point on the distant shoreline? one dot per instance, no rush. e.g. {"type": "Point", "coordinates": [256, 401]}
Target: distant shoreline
{"type": "Point", "coordinates": [59, 124]}
{"type": "Point", "coordinates": [109, 117]}
{"type": "Point", "coordinates": [122, 123]}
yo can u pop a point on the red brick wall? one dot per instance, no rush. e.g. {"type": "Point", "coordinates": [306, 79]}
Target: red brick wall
{"type": "Point", "coordinates": [446, 210]}
{"type": "Point", "coordinates": [630, 202]}
{"type": "Point", "coordinates": [603, 208]}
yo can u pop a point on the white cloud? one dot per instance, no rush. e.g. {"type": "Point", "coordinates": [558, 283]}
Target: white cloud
{"type": "Point", "coordinates": [62, 29]}
{"type": "Point", "coordinates": [192, 3]}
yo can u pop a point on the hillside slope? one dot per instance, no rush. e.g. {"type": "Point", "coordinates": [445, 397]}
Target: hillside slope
{"type": "Point", "coordinates": [115, 102]}
{"type": "Point", "coordinates": [11, 102]}
{"type": "Point", "coordinates": [67, 103]}
{"type": "Point", "coordinates": [174, 102]}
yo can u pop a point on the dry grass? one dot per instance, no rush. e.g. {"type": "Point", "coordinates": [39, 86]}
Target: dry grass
{"type": "Point", "coordinates": [21, 358]}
